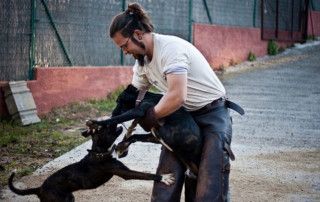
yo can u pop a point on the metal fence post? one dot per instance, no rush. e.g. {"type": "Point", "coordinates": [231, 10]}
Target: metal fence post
{"type": "Point", "coordinates": [305, 25]}
{"type": "Point", "coordinates": [190, 20]}
{"type": "Point", "coordinates": [292, 18]}
{"type": "Point", "coordinates": [254, 13]}
{"type": "Point", "coordinates": [32, 40]}
{"type": "Point", "coordinates": [262, 18]}
{"type": "Point", "coordinates": [121, 52]}
{"type": "Point", "coordinates": [207, 10]}
{"type": "Point", "coordinates": [277, 19]}
{"type": "Point", "coordinates": [56, 31]}
{"type": "Point", "coordinates": [312, 5]}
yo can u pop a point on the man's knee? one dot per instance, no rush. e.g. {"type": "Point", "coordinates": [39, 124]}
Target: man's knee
{"type": "Point", "coordinates": [213, 178]}
{"type": "Point", "coordinates": [168, 163]}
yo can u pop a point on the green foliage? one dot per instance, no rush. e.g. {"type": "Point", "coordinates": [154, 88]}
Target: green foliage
{"type": "Point", "coordinates": [251, 56]}
{"type": "Point", "coordinates": [311, 37]}
{"type": "Point", "coordinates": [273, 48]}
{"type": "Point", "coordinates": [109, 103]}
{"type": "Point", "coordinates": [26, 148]}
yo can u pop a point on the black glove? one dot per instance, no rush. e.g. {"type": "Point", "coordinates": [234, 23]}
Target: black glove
{"type": "Point", "coordinates": [149, 120]}
{"type": "Point", "coordinates": [92, 124]}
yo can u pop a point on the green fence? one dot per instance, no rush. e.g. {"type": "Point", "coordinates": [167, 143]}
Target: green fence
{"type": "Point", "coordinates": [74, 32]}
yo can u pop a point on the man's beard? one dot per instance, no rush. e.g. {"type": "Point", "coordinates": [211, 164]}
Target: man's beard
{"type": "Point", "coordinates": [139, 57]}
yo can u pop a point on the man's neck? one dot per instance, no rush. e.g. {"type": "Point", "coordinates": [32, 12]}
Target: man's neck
{"type": "Point", "coordinates": [149, 45]}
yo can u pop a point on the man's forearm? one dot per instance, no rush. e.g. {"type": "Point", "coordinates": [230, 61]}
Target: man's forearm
{"type": "Point", "coordinates": [168, 104]}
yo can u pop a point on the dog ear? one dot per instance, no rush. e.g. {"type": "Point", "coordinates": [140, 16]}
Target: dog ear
{"type": "Point", "coordinates": [131, 88]}
{"type": "Point", "coordinates": [85, 133]}
{"type": "Point", "coordinates": [119, 130]}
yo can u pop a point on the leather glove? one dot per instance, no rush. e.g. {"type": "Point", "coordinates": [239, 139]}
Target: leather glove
{"type": "Point", "coordinates": [149, 120]}
{"type": "Point", "coordinates": [92, 124]}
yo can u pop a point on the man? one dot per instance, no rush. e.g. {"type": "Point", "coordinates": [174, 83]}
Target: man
{"type": "Point", "coordinates": [179, 70]}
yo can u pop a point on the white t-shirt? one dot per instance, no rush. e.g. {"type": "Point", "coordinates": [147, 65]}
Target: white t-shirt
{"type": "Point", "coordinates": [173, 55]}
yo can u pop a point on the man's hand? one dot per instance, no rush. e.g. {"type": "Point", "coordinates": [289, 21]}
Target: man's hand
{"type": "Point", "coordinates": [149, 120]}
{"type": "Point", "coordinates": [92, 124]}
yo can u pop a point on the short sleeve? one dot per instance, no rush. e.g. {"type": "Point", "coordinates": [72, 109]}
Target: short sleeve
{"type": "Point", "coordinates": [175, 59]}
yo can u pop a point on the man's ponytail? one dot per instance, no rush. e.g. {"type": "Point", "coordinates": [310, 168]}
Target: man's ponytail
{"type": "Point", "coordinates": [131, 19]}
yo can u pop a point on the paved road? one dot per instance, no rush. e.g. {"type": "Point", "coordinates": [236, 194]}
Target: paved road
{"type": "Point", "coordinates": [278, 140]}
{"type": "Point", "coordinates": [282, 102]}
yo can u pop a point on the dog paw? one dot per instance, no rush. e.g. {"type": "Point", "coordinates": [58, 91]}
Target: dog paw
{"type": "Point", "coordinates": [122, 149]}
{"type": "Point", "coordinates": [168, 179]}
{"type": "Point", "coordinates": [123, 146]}
{"type": "Point", "coordinates": [122, 154]}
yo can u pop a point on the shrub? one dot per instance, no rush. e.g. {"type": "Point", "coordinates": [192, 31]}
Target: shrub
{"type": "Point", "coordinates": [311, 37]}
{"type": "Point", "coordinates": [273, 48]}
{"type": "Point", "coordinates": [251, 56]}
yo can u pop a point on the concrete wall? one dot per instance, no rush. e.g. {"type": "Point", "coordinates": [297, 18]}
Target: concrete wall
{"type": "Point", "coordinates": [314, 23]}
{"type": "Point", "coordinates": [224, 46]}
{"type": "Point", "coordinates": [58, 86]}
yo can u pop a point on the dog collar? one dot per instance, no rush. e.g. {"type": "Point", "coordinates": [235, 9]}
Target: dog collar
{"type": "Point", "coordinates": [102, 155]}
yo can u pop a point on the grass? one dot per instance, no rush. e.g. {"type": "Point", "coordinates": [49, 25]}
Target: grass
{"type": "Point", "coordinates": [26, 148]}
{"type": "Point", "coordinates": [273, 48]}
{"type": "Point", "coordinates": [251, 57]}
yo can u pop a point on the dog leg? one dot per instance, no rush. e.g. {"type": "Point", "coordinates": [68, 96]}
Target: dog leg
{"type": "Point", "coordinates": [127, 116]}
{"type": "Point", "coordinates": [127, 174]}
{"type": "Point", "coordinates": [167, 179]}
{"type": "Point", "coordinates": [142, 138]}
{"type": "Point", "coordinates": [125, 149]}
{"type": "Point", "coordinates": [122, 147]}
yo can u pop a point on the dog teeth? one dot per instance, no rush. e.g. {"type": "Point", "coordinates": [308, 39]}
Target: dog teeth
{"type": "Point", "coordinates": [115, 155]}
{"type": "Point", "coordinates": [168, 179]}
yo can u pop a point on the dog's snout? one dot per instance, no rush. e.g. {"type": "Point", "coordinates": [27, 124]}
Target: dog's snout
{"type": "Point", "coordinates": [85, 133]}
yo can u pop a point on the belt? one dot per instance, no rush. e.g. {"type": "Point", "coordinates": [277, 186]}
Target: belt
{"type": "Point", "coordinates": [218, 103]}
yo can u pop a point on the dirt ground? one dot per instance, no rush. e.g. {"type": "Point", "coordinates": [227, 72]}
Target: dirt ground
{"type": "Point", "coordinates": [276, 175]}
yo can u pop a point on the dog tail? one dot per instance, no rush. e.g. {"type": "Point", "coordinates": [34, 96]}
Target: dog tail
{"type": "Point", "coordinates": [35, 191]}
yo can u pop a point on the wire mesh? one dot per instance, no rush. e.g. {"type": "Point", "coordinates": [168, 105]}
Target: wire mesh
{"type": "Point", "coordinates": [83, 28]}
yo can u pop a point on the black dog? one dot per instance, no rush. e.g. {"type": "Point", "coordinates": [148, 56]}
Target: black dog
{"type": "Point", "coordinates": [96, 168]}
{"type": "Point", "coordinates": [179, 132]}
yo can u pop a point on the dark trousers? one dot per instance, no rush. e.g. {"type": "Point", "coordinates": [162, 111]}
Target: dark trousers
{"type": "Point", "coordinates": [214, 169]}
{"type": "Point", "coordinates": [212, 183]}
{"type": "Point", "coordinates": [168, 163]}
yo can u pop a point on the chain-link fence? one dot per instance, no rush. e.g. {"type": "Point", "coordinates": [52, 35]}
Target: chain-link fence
{"type": "Point", "coordinates": [74, 32]}
{"type": "Point", "coordinates": [14, 39]}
